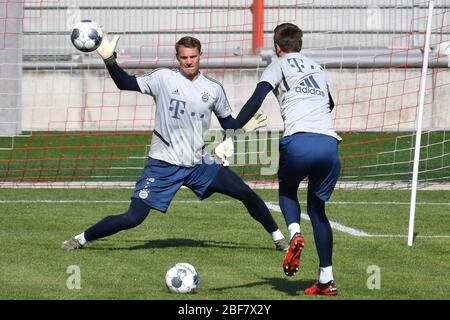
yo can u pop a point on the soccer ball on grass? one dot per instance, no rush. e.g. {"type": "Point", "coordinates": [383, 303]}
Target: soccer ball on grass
{"type": "Point", "coordinates": [86, 35]}
{"type": "Point", "coordinates": [182, 278]}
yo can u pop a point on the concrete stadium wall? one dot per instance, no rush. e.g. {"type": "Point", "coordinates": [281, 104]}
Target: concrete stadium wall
{"type": "Point", "coordinates": [227, 24]}
{"type": "Point", "coordinates": [89, 100]}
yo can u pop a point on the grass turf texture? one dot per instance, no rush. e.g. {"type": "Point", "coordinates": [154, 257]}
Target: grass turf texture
{"type": "Point", "coordinates": [233, 254]}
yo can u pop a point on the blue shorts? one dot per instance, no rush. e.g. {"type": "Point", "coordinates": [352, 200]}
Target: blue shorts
{"type": "Point", "coordinates": [309, 155]}
{"type": "Point", "coordinates": [161, 180]}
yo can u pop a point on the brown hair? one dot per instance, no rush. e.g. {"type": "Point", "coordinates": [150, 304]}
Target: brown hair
{"type": "Point", "coordinates": [289, 37]}
{"type": "Point", "coordinates": [188, 42]}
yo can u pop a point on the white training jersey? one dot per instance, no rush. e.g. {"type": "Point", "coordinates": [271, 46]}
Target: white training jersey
{"type": "Point", "coordinates": [301, 89]}
{"type": "Point", "coordinates": [183, 114]}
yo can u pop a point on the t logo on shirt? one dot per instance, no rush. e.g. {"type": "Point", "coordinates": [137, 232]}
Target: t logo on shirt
{"type": "Point", "coordinates": [293, 62]}
{"type": "Point", "coordinates": [177, 106]}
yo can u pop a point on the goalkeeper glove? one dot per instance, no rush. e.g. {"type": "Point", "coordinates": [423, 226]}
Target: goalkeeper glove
{"type": "Point", "coordinates": [224, 150]}
{"type": "Point", "coordinates": [257, 121]}
{"type": "Point", "coordinates": [107, 47]}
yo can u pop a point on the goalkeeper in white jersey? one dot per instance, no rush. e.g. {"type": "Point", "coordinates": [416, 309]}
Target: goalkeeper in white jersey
{"type": "Point", "coordinates": [308, 148]}
{"type": "Point", "coordinates": [185, 100]}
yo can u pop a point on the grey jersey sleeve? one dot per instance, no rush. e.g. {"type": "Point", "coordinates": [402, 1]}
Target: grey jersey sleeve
{"type": "Point", "coordinates": [272, 74]}
{"type": "Point", "coordinates": [149, 83]}
{"type": "Point", "coordinates": [222, 107]}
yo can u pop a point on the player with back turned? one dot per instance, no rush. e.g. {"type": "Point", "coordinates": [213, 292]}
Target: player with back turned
{"type": "Point", "coordinates": [308, 148]}
{"type": "Point", "coordinates": [185, 100]}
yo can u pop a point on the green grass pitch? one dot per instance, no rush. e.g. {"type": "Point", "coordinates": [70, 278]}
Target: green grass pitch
{"type": "Point", "coordinates": [233, 254]}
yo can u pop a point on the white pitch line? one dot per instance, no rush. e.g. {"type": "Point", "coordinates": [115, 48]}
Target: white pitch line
{"type": "Point", "coordinates": [97, 201]}
{"type": "Point", "coordinates": [274, 207]}
{"type": "Point", "coordinates": [352, 231]}
{"type": "Point", "coordinates": [389, 203]}
{"type": "Point", "coordinates": [404, 236]}
{"type": "Point", "coordinates": [334, 225]}
{"type": "Point", "coordinates": [225, 201]}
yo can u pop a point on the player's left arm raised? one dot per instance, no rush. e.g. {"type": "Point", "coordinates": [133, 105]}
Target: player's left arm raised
{"type": "Point", "coordinates": [123, 80]}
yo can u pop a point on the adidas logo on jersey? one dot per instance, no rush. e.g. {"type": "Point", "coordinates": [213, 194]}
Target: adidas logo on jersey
{"type": "Point", "coordinates": [176, 92]}
{"type": "Point", "coordinates": [309, 85]}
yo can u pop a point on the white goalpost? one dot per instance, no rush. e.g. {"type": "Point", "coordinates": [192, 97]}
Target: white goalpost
{"type": "Point", "coordinates": [423, 83]}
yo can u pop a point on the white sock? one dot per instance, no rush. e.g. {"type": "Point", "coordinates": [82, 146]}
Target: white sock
{"type": "Point", "coordinates": [81, 239]}
{"type": "Point", "coordinates": [277, 235]}
{"type": "Point", "coordinates": [294, 228]}
{"type": "Point", "coordinates": [326, 274]}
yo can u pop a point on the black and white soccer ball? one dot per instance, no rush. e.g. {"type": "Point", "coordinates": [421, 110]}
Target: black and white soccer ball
{"type": "Point", "coordinates": [182, 278]}
{"type": "Point", "coordinates": [86, 35]}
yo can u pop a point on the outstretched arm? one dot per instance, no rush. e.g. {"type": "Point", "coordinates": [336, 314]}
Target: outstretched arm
{"type": "Point", "coordinates": [122, 79]}
{"type": "Point", "coordinates": [248, 119]}
{"type": "Point", "coordinates": [249, 109]}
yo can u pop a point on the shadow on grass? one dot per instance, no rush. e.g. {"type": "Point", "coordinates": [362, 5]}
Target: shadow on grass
{"type": "Point", "coordinates": [291, 288]}
{"type": "Point", "coordinates": [177, 242]}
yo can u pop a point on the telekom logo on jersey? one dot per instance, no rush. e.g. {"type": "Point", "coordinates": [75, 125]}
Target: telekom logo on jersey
{"type": "Point", "coordinates": [179, 106]}
{"type": "Point", "coordinates": [293, 62]}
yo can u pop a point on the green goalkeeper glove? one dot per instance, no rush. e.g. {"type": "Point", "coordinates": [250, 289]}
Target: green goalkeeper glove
{"type": "Point", "coordinates": [257, 121]}
{"type": "Point", "coordinates": [224, 150]}
{"type": "Point", "coordinates": [107, 47]}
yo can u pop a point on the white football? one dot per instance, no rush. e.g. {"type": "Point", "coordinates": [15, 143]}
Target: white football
{"type": "Point", "coordinates": [182, 278]}
{"type": "Point", "coordinates": [86, 35]}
